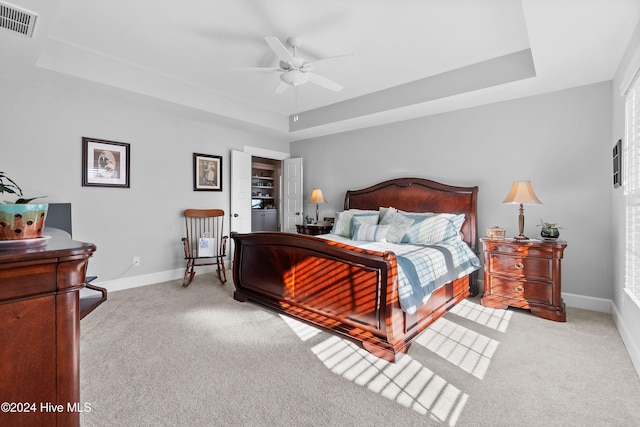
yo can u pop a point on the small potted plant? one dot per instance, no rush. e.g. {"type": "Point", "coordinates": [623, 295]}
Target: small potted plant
{"type": "Point", "coordinates": [549, 230]}
{"type": "Point", "coordinates": [20, 219]}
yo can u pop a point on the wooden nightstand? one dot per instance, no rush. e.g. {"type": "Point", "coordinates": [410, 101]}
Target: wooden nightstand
{"type": "Point", "coordinates": [524, 274]}
{"type": "Point", "coordinates": [313, 229]}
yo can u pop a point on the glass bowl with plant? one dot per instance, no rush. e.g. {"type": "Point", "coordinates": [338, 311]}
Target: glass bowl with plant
{"type": "Point", "coordinates": [20, 219]}
{"type": "Point", "coordinates": [549, 230]}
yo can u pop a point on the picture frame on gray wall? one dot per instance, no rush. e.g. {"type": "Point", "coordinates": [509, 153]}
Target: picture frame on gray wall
{"type": "Point", "coordinates": [105, 163]}
{"type": "Point", "coordinates": [207, 172]}
{"type": "Point", "coordinates": [617, 164]}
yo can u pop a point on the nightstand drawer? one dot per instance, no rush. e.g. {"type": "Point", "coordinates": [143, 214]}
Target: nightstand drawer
{"type": "Point", "coordinates": [521, 249]}
{"type": "Point", "coordinates": [521, 267]}
{"type": "Point", "coordinates": [532, 292]}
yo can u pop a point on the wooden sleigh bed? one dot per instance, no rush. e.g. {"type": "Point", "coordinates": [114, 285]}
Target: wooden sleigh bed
{"type": "Point", "coordinates": [348, 291]}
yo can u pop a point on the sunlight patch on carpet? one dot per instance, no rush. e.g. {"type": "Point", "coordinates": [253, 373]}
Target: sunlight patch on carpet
{"type": "Point", "coordinates": [490, 317]}
{"type": "Point", "coordinates": [406, 382]}
{"type": "Point", "coordinates": [302, 330]}
{"type": "Point", "coordinates": [467, 349]}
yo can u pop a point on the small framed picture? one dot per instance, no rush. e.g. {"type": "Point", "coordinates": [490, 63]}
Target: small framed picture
{"type": "Point", "coordinates": [105, 163]}
{"type": "Point", "coordinates": [617, 164]}
{"type": "Point", "coordinates": [207, 172]}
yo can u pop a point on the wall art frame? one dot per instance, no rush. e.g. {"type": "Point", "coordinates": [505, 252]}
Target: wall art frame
{"type": "Point", "coordinates": [207, 172]}
{"type": "Point", "coordinates": [617, 164]}
{"type": "Point", "coordinates": [105, 163]}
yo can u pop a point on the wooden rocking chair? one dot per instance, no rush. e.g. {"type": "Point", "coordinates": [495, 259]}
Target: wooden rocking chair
{"type": "Point", "coordinates": [204, 243]}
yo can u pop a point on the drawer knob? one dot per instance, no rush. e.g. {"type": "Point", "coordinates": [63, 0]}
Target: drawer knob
{"type": "Point", "coordinates": [519, 289]}
{"type": "Point", "coordinates": [519, 265]}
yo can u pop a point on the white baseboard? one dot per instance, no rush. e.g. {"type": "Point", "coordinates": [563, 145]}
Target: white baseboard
{"type": "Point", "coordinates": [572, 300]}
{"type": "Point", "coordinates": [587, 303]}
{"type": "Point", "coordinates": [607, 306]}
{"type": "Point", "coordinates": [150, 279]}
{"type": "Point", "coordinates": [627, 338]}
{"type": "Point", "coordinates": [578, 301]}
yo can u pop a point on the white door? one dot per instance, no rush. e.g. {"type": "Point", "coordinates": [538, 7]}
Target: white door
{"type": "Point", "coordinates": [292, 189]}
{"type": "Point", "coordinates": [240, 191]}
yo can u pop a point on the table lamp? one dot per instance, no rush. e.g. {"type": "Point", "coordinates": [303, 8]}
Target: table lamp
{"type": "Point", "coordinates": [317, 198]}
{"type": "Point", "coordinates": [522, 193]}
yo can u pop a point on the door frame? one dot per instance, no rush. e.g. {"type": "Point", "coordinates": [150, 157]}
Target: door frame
{"type": "Point", "coordinates": [272, 155]}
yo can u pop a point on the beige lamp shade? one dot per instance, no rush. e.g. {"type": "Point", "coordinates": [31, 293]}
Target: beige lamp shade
{"type": "Point", "coordinates": [317, 197]}
{"type": "Point", "coordinates": [521, 192]}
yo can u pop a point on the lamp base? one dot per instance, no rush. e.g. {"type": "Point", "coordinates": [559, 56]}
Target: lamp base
{"type": "Point", "coordinates": [521, 237]}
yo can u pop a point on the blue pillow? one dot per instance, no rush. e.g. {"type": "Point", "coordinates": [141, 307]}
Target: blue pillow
{"type": "Point", "coordinates": [370, 232]}
{"type": "Point", "coordinates": [435, 228]}
{"type": "Point", "coordinates": [343, 225]}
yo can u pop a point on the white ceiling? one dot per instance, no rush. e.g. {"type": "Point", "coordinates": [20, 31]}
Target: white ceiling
{"type": "Point", "coordinates": [185, 51]}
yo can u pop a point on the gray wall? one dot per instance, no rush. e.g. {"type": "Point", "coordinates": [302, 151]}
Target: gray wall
{"type": "Point", "coordinates": [43, 118]}
{"type": "Point", "coordinates": [559, 141]}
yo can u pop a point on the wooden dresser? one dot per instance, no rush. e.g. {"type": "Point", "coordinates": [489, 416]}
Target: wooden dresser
{"type": "Point", "coordinates": [524, 274]}
{"type": "Point", "coordinates": [40, 336]}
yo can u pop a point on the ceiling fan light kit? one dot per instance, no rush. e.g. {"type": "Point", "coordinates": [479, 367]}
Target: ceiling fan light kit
{"type": "Point", "coordinates": [294, 77]}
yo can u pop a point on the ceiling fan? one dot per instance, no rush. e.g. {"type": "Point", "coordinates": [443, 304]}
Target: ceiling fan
{"type": "Point", "coordinates": [293, 69]}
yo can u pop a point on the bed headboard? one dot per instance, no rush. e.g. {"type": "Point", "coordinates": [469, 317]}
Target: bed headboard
{"type": "Point", "coordinates": [420, 195]}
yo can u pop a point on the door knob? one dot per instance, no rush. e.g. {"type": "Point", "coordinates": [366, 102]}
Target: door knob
{"type": "Point", "coordinates": [297, 213]}
{"type": "Point", "coordinates": [235, 215]}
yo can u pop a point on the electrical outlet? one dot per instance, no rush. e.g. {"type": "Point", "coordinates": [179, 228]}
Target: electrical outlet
{"type": "Point", "coordinates": [136, 261]}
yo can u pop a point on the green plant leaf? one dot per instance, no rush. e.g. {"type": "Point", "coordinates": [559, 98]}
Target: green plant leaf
{"type": "Point", "coordinates": [7, 185]}
{"type": "Point", "coordinates": [22, 201]}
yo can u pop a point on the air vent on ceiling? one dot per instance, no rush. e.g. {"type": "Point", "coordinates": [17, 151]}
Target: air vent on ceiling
{"type": "Point", "coordinates": [16, 19]}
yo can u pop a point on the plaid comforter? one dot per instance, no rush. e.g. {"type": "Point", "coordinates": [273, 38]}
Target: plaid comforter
{"type": "Point", "coordinates": [421, 268]}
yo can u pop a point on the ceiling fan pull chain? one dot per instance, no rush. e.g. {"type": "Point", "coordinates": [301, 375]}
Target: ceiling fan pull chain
{"type": "Point", "coordinates": [295, 103]}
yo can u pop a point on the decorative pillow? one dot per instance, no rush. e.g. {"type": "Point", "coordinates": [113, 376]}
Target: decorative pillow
{"type": "Point", "coordinates": [370, 232]}
{"type": "Point", "coordinates": [343, 224]}
{"type": "Point", "coordinates": [399, 225]}
{"type": "Point", "coordinates": [386, 211]}
{"type": "Point", "coordinates": [435, 228]}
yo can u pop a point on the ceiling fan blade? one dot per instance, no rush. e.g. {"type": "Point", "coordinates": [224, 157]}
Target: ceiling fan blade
{"type": "Point", "coordinates": [262, 69]}
{"type": "Point", "coordinates": [324, 82]}
{"type": "Point", "coordinates": [330, 58]}
{"type": "Point", "coordinates": [282, 86]}
{"type": "Point", "coordinates": [279, 49]}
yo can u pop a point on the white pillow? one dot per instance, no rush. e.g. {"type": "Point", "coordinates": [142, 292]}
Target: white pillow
{"type": "Point", "coordinates": [386, 211]}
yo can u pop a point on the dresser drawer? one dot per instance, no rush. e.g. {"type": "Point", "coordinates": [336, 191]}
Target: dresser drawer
{"type": "Point", "coordinates": [26, 279]}
{"type": "Point", "coordinates": [521, 267]}
{"type": "Point", "coordinates": [530, 291]}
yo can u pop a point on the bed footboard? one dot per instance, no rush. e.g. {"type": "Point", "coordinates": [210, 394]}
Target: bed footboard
{"type": "Point", "coordinates": [345, 290]}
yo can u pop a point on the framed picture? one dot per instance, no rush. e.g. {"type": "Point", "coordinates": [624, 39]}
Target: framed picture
{"type": "Point", "coordinates": [617, 164]}
{"type": "Point", "coordinates": [105, 163]}
{"type": "Point", "coordinates": [207, 172]}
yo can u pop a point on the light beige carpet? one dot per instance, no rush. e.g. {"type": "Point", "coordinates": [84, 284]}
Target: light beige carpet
{"type": "Point", "coordinates": [164, 355]}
